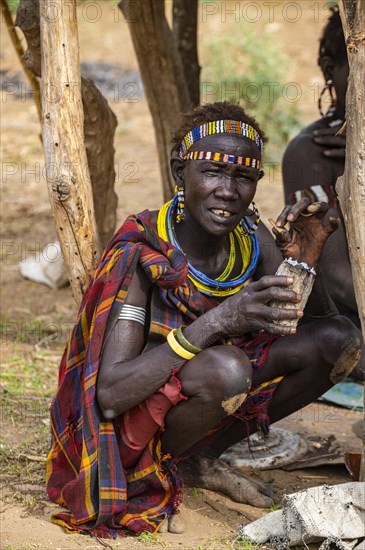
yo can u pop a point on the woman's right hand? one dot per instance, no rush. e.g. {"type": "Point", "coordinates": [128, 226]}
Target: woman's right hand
{"type": "Point", "coordinates": [248, 309]}
{"type": "Point", "coordinates": [333, 143]}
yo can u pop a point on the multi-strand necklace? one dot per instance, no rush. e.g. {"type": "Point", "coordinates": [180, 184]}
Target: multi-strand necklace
{"type": "Point", "coordinates": [248, 245]}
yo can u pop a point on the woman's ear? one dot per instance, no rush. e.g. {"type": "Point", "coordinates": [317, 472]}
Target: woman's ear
{"type": "Point", "coordinates": [327, 65]}
{"type": "Point", "coordinates": [177, 166]}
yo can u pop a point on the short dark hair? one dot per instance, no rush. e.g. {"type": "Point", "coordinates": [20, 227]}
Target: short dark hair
{"type": "Point", "coordinates": [209, 113]}
{"type": "Point", "coordinates": [333, 43]}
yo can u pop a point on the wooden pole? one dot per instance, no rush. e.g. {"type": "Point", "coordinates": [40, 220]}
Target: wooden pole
{"type": "Point", "coordinates": [20, 51]}
{"type": "Point", "coordinates": [351, 186]}
{"type": "Point", "coordinates": [99, 124]}
{"type": "Point", "coordinates": [67, 171]}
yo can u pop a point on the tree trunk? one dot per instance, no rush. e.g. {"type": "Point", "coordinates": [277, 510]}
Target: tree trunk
{"type": "Point", "coordinates": [162, 71]}
{"type": "Point", "coordinates": [99, 125]}
{"type": "Point", "coordinates": [63, 140]}
{"type": "Point", "coordinates": [99, 128]}
{"type": "Point", "coordinates": [19, 50]}
{"type": "Point", "coordinates": [185, 29]}
{"type": "Point", "coordinates": [351, 186]}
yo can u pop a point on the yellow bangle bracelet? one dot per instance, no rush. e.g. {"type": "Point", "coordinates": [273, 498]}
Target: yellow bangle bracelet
{"type": "Point", "coordinates": [175, 346]}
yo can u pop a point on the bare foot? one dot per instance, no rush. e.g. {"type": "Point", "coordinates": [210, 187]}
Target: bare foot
{"type": "Point", "coordinates": [174, 524]}
{"type": "Point", "coordinates": [216, 475]}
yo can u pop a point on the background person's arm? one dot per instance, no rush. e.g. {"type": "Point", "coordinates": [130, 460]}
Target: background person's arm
{"type": "Point", "coordinates": [304, 166]}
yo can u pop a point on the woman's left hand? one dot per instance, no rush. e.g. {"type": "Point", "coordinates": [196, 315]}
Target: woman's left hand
{"type": "Point", "coordinates": [308, 231]}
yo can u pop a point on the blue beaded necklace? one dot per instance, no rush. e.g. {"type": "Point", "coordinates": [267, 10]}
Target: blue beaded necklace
{"type": "Point", "coordinates": [249, 243]}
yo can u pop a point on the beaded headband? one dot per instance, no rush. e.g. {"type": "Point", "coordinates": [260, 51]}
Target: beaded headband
{"type": "Point", "coordinates": [223, 157]}
{"type": "Point", "coordinates": [219, 127]}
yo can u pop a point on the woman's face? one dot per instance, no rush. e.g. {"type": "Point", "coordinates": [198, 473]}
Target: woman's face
{"type": "Point", "coordinates": [217, 194]}
{"type": "Point", "coordinates": [338, 72]}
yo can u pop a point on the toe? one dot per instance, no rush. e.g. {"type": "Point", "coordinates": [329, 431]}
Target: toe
{"type": "Point", "coordinates": [164, 526]}
{"type": "Point", "coordinates": [176, 525]}
{"type": "Point", "coordinates": [264, 488]}
{"type": "Point", "coordinates": [249, 493]}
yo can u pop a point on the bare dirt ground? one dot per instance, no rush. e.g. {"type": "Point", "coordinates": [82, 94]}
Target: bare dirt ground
{"type": "Point", "coordinates": [36, 321]}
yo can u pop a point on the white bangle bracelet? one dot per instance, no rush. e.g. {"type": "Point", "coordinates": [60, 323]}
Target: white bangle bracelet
{"type": "Point", "coordinates": [132, 313]}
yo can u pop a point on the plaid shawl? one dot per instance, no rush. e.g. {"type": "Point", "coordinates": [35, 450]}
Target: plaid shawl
{"type": "Point", "coordinates": [84, 469]}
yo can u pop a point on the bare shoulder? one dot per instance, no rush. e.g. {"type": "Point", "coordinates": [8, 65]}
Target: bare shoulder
{"type": "Point", "coordinates": [302, 145]}
{"type": "Point", "coordinates": [139, 289]}
{"type": "Point", "coordinates": [304, 164]}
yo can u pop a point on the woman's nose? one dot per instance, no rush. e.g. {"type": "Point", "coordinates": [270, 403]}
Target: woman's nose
{"type": "Point", "coordinates": [227, 187]}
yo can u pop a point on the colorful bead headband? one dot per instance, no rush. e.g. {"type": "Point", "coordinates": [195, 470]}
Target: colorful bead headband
{"type": "Point", "coordinates": [219, 127]}
{"type": "Point", "coordinates": [223, 157]}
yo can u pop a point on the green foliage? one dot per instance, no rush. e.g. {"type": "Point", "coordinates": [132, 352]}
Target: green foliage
{"type": "Point", "coordinates": [243, 544]}
{"type": "Point", "coordinates": [275, 507]}
{"type": "Point", "coordinates": [23, 462]}
{"type": "Point", "coordinates": [151, 538]}
{"type": "Point", "coordinates": [193, 492]}
{"type": "Point", "coordinates": [13, 5]}
{"type": "Point", "coordinates": [245, 65]}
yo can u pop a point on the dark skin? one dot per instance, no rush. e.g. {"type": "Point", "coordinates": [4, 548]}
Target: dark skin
{"type": "Point", "coordinates": [317, 157]}
{"type": "Point", "coordinates": [220, 373]}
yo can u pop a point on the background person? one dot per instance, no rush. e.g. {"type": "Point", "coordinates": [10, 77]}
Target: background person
{"type": "Point", "coordinates": [316, 158]}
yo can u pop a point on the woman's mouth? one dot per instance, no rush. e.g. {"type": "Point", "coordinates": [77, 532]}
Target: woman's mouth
{"type": "Point", "coordinates": [221, 213]}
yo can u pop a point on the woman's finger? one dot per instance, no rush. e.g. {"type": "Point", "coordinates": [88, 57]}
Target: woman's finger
{"type": "Point", "coordinates": [333, 224]}
{"type": "Point", "coordinates": [275, 328]}
{"type": "Point", "coordinates": [335, 153]}
{"type": "Point", "coordinates": [327, 131]}
{"type": "Point", "coordinates": [282, 218]}
{"type": "Point", "coordinates": [298, 208]}
{"type": "Point", "coordinates": [282, 236]}
{"type": "Point", "coordinates": [280, 294]}
{"type": "Point", "coordinates": [316, 208]}
{"type": "Point", "coordinates": [279, 313]}
{"type": "Point", "coordinates": [270, 281]}
{"type": "Point", "coordinates": [330, 141]}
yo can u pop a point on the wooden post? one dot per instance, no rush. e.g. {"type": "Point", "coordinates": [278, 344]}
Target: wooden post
{"type": "Point", "coordinates": [99, 124]}
{"type": "Point", "coordinates": [351, 186]}
{"type": "Point", "coordinates": [67, 169]}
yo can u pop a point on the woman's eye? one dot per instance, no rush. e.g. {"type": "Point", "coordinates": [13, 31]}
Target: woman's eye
{"type": "Point", "coordinates": [245, 177]}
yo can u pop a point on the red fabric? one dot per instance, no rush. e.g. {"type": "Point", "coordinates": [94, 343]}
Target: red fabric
{"type": "Point", "coordinates": [139, 425]}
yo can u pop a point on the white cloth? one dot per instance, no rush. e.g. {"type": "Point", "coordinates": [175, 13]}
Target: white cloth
{"type": "Point", "coordinates": [47, 267]}
{"type": "Point", "coordinates": [333, 514]}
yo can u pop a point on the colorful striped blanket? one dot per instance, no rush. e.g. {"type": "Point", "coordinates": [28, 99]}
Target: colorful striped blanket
{"type": "Point", "coordinates": [85, 474]}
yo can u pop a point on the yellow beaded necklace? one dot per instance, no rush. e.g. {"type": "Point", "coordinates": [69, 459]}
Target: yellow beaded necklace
{"type": "Point", "coordinates": [248, 245]}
